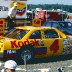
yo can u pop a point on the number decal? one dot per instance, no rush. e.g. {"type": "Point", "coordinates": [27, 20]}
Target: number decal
{"type": "Point", "coordinates": [37, 22]}
{"type": "Point", "coordinates": [54, 47]}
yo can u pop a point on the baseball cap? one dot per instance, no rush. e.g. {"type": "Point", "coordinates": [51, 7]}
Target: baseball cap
{"type": "Point", "coordinates": [11, 64]}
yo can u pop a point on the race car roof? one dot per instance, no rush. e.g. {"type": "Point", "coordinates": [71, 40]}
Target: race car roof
{"type": "Point", "coordinates": [37, 28]}
{"type": "Point", "coordinates": [41, 28]}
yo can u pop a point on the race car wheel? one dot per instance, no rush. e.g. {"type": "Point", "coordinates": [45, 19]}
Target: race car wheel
{"type": "Point", "coordinates": [26, 53]}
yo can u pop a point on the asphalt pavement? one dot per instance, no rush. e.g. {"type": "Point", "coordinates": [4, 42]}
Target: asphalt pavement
{"type": "Point", "coordinates": [53, 64]}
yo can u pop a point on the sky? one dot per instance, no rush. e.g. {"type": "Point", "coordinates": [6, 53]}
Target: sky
{"type": "Point", "coordinates": [65, 2]}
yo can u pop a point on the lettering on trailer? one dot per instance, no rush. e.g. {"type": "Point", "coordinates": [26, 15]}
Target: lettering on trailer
{"type": "Point", "coordinates": [2, 22]}
{"type": "Point", "coordinates": [3, 8]}
{"type": "Point", "coordinates": [23, 43]}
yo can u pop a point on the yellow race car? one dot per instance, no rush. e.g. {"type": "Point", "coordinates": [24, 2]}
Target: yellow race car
{"type": "Point", "coordinates": [34, 42]}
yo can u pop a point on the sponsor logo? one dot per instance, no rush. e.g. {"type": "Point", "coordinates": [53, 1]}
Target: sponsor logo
{"type": "Point", "coordinates": [23, 43]}
{"type": "Point", "coordinates": [21, 8]}
{"type": "Point", "coordinates": [10, 53]}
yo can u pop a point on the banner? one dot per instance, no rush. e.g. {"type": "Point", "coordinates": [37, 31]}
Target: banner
{"type": "Point", "coordinates": [6, 4]}
{"type": "Point", "coordinates": [36, 22]}
{"type": "Point", "coordinates": [41, 15]}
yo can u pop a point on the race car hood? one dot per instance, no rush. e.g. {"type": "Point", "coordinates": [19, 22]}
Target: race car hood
{"type": "Point", "coordinates": [3, 39]}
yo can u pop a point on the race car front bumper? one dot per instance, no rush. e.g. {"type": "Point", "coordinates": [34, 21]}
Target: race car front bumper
{"type": "Point", "coordinates": [69, 48]}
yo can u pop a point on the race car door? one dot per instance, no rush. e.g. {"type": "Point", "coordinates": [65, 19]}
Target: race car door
{"type": "Point", "coordinates": [52, 41]}
{"type": "Point", "coordinates": [40, 49]}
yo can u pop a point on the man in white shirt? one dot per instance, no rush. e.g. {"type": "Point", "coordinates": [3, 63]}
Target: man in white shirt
{"type": "Point", "coordinates": [11, 16]}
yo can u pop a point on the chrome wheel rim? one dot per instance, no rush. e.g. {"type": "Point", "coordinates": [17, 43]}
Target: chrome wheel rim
{"type": "Point", "coordinates": [26, 54]}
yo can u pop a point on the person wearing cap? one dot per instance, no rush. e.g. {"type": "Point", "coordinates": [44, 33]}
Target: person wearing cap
{"type": "Point", "coordinates": [11, 16]}
{"type": "Point", "coordinates": [9, 66]}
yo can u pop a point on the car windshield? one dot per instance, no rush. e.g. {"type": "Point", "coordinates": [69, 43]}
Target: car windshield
{"type": "Point", "coordinates": [58, 24]}
{"type": "Point", "coordinates": [16, 33]}
{"type": "Point", "coordinates": [51, 24]}
{"type": "Point", "coordinates": [66, 24]}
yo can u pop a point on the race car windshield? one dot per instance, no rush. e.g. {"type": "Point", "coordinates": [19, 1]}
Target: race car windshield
{"type": "Point", "coordinates": [16, 33]}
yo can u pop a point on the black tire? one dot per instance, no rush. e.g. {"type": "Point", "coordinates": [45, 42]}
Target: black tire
{"type": "Point", "coordinates": [26, 52]}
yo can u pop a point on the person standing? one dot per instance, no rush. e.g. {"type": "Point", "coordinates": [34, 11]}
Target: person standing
{"type": "Point", "coordinates": [11, 16]}
{"type": "Point", "coordinates": [9, 66]}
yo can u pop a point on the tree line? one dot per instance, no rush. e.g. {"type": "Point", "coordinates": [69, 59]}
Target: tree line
{"type": "Point", "coordinates": [50, 7]}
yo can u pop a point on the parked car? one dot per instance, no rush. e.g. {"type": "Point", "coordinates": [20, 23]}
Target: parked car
{"type": "Point", "coordinates": [65, 27]}
{"type": "Point", "coordinates": [34, 42]}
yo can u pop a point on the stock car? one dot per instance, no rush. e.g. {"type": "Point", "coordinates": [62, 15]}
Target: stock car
{"type": "Point", "coordinates": [34, 42]}
{"type": "Point", "coordinates": [64, 26]}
